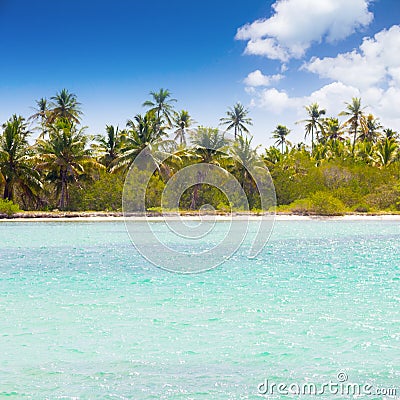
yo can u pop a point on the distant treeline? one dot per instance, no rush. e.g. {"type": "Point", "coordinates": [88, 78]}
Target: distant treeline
{"type": "Point", "coordinates": [350, 166]}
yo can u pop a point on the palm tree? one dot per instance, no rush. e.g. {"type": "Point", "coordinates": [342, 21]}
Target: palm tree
{"type": "Point", "coordinates": [182, 122]}
{"type": "Point", "coordinates": [365, 151]}
{"type": "Point", "coordinates": [390, 133]}
{"type": "Point", "coordinates": [355, 112]}
{"type": "Point", "coordinates": [246, 160]}
{"type": "Point", "coordinates": [110, 145]}
{"type": "Point", "coordinates": [272, 156]}
{"type": "Point", "coordinates": [314, 122]}
{"type": "Point", "coordinates": [333, 130]}
{"type": "Point", "coordinates": [64, 105]}
{"type": "Point", "coordinates": [371, 131]}
{"type": "Point", "coordinates": [237, 119]}
{"type": "Point", "coordinates": [161, 105]}
{"type": "Point", "coordinates": [280, 134]}
{"type": "Point", "coordinates": [65, 158]}
{"type": "Point", "coordinates": [386, 150]}
{"type": "Point", "coordinates": [208, 148]}
{"type": "Point", "coordinates": [16, 169]}
{"type": "Point", "coordinates": [144, 132]}
{"type": "Point", "coordinates": [41, 113]}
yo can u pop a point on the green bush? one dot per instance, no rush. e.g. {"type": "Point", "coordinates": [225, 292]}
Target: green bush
{"type": "Point", "coordinates": [385, 197]}
{"type": "Point", "coordinates": [104, 194]}
{"type": "Point", "coordinates": [8, 208]}
{"type": "Point", "coordinates": [301, 206]}
{"type": "Point", "coordinates": [319, 203]}
{"type": "Point", "coordinates": [323, 203]}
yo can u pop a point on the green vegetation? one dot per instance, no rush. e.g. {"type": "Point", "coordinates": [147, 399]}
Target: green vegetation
{"type": "Point", "coordinates": [351, 166]}
{"type": "Point", "coordinates": [8, 208]}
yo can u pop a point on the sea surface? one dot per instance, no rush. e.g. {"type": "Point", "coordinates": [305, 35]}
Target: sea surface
{"type": "Point", "coordinates": [84, 316]}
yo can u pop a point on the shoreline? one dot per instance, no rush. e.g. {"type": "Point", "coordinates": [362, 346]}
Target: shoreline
{"type": "Point", "coordinates": [116, 217]}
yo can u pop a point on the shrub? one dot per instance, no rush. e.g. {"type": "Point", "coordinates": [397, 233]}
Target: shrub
{"type": "Point", "coordinates": [362, 208]}
{"type": "Point", "coordinates": [323, 203]}
{"type": "Point", "coordinates": [8, 208]}
{"type": "Point", "coordinates": [301, 206]}
{"type": "Point", "coordinates": [104, 194]}
{"type": "Point", "coordinates": [383, 198]}
{"type": "Point", "coordinates": [319, 203]}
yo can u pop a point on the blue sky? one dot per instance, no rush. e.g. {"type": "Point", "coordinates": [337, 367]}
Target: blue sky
{"type": "Point", "coordinates": [293, 52]}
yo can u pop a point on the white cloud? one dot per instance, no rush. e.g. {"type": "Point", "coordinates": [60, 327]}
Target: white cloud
{"type": "Point", "coordinates": [383, 103]}
{"type": "Point", "coordinates": [296, 24]}
{"type": "Point", "coordinates": [371, 72]}
{"type": "Point", "coordinates": [376, 62]}
{"type": "Point", "coordinates": [330, 97]}
{"type": "Point", "coordinates": [257, 78]}
{"type": "Point", "coordinates": [274, 100]}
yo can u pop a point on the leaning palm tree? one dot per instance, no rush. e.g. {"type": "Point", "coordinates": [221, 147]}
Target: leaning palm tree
{"type": "Point", "coordinates": [64, 158]}
{"type": "Point", "coordinates": [237, 119]}
{"type": "Point", "coordinates": [313, 123]}
{"type": "Point", "coordinates": [64, 105]}
{"type": "Point", "coordinates": [182, 122]}
{"type": "Point", "coordinates": [356, 120]}
{"type": "Point", "coordinates": [280, 133]}
{"type": "Point", "coordinates": [161, 104]}
{"type": "Point", "coordinates": [16, 168]}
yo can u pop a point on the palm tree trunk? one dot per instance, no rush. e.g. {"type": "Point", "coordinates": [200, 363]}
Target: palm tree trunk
{"type": "Point", "coordinates": [312, 140]}
{"type": "Point", "coordinates": [64, 191]}
{"type": "Point", "coordinates": [195, 195]}
{"type": "Point", "coordinates": [8, 190]}
{"type": "Point", "coordinates": [354, 138]}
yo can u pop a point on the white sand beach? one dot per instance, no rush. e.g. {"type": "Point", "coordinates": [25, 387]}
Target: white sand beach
{"type": "Point", "coordinates": [277, 217]}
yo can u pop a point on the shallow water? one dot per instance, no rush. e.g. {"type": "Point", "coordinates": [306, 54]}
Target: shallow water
{"type": "Point", "coordinates": [83, 315]}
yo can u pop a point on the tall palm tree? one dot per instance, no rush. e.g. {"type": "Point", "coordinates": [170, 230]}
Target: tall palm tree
{"type": "Point", "coordinates": [16, 168]}
{"type": "Point", "coordinates": [182, 122]}
{"type": "Point", "coordinates": [237, 119]}
{"type": "Point", "coordinates": [280, 134]}
{"type": "Point", "coordinates": [64, 105]}
{"type": "Point", "coordinates": [110, 145]}
{"type": "Point", "coordinates": [356, 120]}
{"type": "Point", "coordinates": [313, 122]}
{"type": "Point", "coordinates": [64, 157]}
{"type": "Point", "coordinates": [161, 104]}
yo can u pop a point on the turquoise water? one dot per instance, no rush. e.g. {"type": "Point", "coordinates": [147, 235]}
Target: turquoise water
{"type": "Point", "coordinates": [83, 316]}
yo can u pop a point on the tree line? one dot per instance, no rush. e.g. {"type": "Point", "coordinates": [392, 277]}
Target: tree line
{"type": "Point", "coordinates": [353, 164]}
